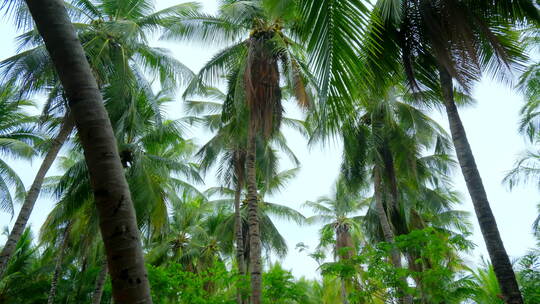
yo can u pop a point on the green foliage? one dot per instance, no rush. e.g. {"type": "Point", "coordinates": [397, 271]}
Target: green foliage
{"type": "Point", "coordinates": [280, 287]}
{"type": "Point", "coordinates": [437, 282]}
{"type": "Point", "coordinates": [174, 284]}
{"type": "Point", "coordinates": [351, 67]}
{"type": "Point", "coordinates": [529, 277]}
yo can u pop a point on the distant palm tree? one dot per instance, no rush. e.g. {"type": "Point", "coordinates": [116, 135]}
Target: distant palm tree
{"type": "Point", "coordinates": [342, 224]}
{"type": "Point", "coordinates": [226, 150]}
{"type": "Point", "coordinates": [260, 54]}
{"type": "Point", "coordinates": [14, 285]}
{"type": "Point", "coordinates": [17, 140]}
{"type": "Point", "coordinates": [271, 239]}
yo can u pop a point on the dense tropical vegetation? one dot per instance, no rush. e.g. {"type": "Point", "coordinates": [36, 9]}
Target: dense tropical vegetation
{"type": "Point", "coordinates": [152, 208]}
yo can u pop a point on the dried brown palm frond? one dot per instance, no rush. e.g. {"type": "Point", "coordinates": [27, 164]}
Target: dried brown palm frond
{"type": "Point", "coordinates": [262, 87]}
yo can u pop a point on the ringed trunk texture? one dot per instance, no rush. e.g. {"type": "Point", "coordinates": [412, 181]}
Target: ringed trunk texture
{"type": "Point", "coordinates": [33, 193]}
{"type": "Point", "coordinates": [486, 219]}
{"type": "Point", "coordinates": [238, 225]}
{"type": "Point", "coordinates": [388, 233]}
{"type": "Point", "coordinates": [263, 98]}
{"type": "Point", "coordinates": [253, 222]}
{"type": "Point", "coordinates": [111, 193]}
{"type": "Point", "coordinates": [344, 240]}
{"type": "Point", "coordinates": [100, 283]}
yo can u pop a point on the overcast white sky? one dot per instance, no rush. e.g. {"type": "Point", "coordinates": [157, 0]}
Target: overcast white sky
{"type": "Point", "coordinates": [492, 131]}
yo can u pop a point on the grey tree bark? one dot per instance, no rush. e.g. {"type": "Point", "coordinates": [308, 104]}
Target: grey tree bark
{"type": "Point", "coordinates": [488, 225]}
{"type": "Point", "coordinates": [111, 192]}
{"type": "Point", "coordinates": [388, 232]}
{"type": "Point", "coordinates": [253, 222]}
{"type": "Point", "coordinates": [239, 169]}
{"type": "Point", "coordinates": [58, 266]}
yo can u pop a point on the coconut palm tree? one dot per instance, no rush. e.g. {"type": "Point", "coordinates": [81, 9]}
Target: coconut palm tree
{"type": "Point", "coordinates": [27, 275]}
{"type": "Point", "coordinates": [118, 54]}
{"type": "Point", "coordinates": [342, 224]}
{"type": "Point", "coordinates": [271, 239]}
{"type": "Point", "coordinates": [52, 147]}
{"type": "Point", "coordinates": [433, 48]}
{"type": "Point", "coordinates": [187, 239]}
{"type": "Point", "coordinates": [383, 139]}
{"type": "Point", "coordinates": [259, 54]}
{"type": "Point", "coordinates": [17, 140]}
{"type": "Point", "coordinates": [227, 150]}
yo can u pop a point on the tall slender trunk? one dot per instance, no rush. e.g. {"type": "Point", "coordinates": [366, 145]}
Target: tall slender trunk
{"type": "Point", "coordinates": [390, 174]}
{"type": "Point", "coordinates": [33, 193]}
{"type": "Point", "coordinates": [100, 283]}
{"type": "Point", "coordinates": [488, 225]}
{"type": "Point", "coordinates": [388, 233]}
{"type": "Point", "coordinates": [344, 297]}
{"type": "Point", "coordinates": [344, 240]}
{"type": "Point", "coordinates": [58, 266]}
{"type": "Point", "coordinates": [239, 168]}
{"type": "Point", "coordinates": [253, 221]}
{"type": "Point", "coordinates": [111, 192]}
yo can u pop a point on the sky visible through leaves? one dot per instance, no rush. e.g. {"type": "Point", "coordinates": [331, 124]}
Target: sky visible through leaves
{"type": "Point", "coordinates": [491, 126]}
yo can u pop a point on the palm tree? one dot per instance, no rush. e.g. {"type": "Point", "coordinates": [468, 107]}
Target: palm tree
{"type": "Point", "coordinates": [383, 138]}
{"type": "Point", "coordinates": [118, 55]}
{"type": "Point", "coordinates": [17, 140]}
{"type": "Point", "coordinates": [487, 286]}
{"type": "Point", "coordinates": [527, 167]}
{"type": "Point", "coordinates": [259, 47]}
{"type": "Point", "coordinates": [54, 146]}
{"type": "Point", "coordinates": [339, 213]}
{"type": "Point", "coordinates": [271, 239]}
{"type": "Point", "coordinates": [154, 156]}
{"type": "Point", "coordinates": [119, 228]}
{"type": "Point", "coordinates": [434, 48]}
{"type": "Point", "coordinates": [27, 275]}
{"type": "Point", "coordinates": [227, 150]}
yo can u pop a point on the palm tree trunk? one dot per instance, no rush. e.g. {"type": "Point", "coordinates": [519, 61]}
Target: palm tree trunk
{"type": "Point", "coordinates": [253, 221]}
{"type": "Point", "coordinates": [58, 266]}
{"type": "Point", "coordinates": [390, 172]}
{"type": "Point", "coordinates": [100, 283]}
{"type": "Point", "coordinates": [238, 225]}
{"type": "Point", "coordinates": [33, 193]}
{"type": "Point", "coordinates": [344, 298]}
{"type": "Point", "coordinates": [488, 225]}
{"type": "Point", "coordinates": [344, 242]}
{"type": "Point", "coordinates": [388, 233]}
{"type": "Point", "coordinates": [111, 192]}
